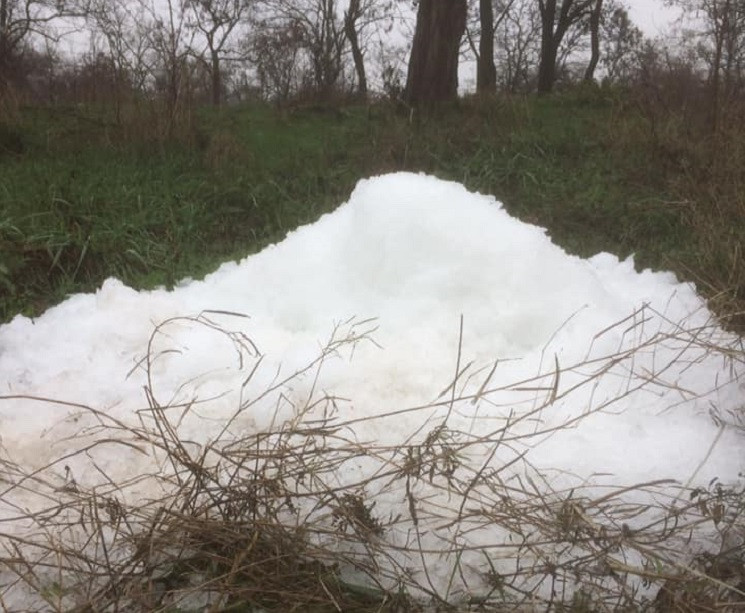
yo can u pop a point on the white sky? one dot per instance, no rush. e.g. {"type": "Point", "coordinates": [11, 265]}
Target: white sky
{"type": "Point", "coordinates": [652, 16]}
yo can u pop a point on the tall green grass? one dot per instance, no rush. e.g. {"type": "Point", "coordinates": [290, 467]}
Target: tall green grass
{"type": "Point", "coordinates": [83, 197]}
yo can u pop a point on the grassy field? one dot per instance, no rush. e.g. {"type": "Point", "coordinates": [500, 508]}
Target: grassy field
{"type": "Point", "coordinates": [83, 197]}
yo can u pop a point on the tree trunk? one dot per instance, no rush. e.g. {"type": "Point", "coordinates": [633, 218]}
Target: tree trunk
{"type": "Point", "coordinates": [552, 33]}
{"type": "Point", "coordinates": [4, 44]}
{"type": "Point", "coordinates": [715, 78]}
{"type": "Point", "coordinates": [216, 79]}
{"type": "Point", "coordinates": [547, 66]}
{"type": "Point", "coordinates": [486, 75]}
{"type": "Point", "coordinates": [433, 65]}
{"type": "Point", "coordinates": [350, 31]}
{"type": "Point", "coordinates": [594, 41]}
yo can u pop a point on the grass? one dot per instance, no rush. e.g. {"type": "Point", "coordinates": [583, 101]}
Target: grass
{"type": "Point", "coordinates": [151, 215]}
{"type": "Point", "coordinates": [83, 197]}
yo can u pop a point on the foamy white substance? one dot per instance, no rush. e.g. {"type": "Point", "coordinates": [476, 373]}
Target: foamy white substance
{"type": "Point", "coordinates": [417, 254]}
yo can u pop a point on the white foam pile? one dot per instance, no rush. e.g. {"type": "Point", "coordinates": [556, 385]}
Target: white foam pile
{"type": "Point", "coordinates": [605, 376]}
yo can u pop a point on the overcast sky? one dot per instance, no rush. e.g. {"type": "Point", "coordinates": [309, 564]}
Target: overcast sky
{"type": "Point", "coordinates": [651, 16]}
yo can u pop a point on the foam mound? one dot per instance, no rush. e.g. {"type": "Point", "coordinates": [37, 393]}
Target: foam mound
{"type": "Point", "coordinates": [437, 298]}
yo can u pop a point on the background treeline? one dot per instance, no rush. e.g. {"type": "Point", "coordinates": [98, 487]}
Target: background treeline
{"type": "Point", "coordinates": [183, 52]}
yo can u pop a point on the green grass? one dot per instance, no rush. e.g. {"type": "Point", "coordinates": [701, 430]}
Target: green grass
{"type": "Point", "coordinates": [73, 215]}
{"type": "Point", "coordinates": [83, 198]}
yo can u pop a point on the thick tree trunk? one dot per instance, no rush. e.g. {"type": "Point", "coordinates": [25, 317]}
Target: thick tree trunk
{"type": "Point", "coordinates": [486, 75]}
{"type": "Point", "coordinates": [4, 44]}
{"type": "Point", "coordinates": [350, 31]}
{"type": "Point", "coordinates": [216, 80]}
{"type": "Point", "coordinates": [594, 41]}
{"type": "Point", "coordinates": [547, 65]}
{"type": "Point", "coordinates": [553, 30]}
{"type": "Point", "coordinates": [716, 83]}
{"type": "Point", "coordinates": [433, 66]}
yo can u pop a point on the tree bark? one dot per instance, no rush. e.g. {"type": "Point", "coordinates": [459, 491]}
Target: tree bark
{"type": "Point", "coordinates": [433, 65]}
{"type": "Point", "coordinates": [553, 29]}
{"type": "Point", "coordinates": [350, 31]}
{"type": "Point", "coordinates": [594, 41]}
{"type": "Point", "coordinates": [547, 66]}
{"type": "Point", "coordinates": [486, 72]}
{"type": "Point", "coordinates": [4, 43]}
{"type": "Point", "coordinates": [216, 78]}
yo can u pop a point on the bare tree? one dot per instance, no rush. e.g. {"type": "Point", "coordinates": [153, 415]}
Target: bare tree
{"type": "Point", "coordinates": [276, 52]}
{"type": "Point", "coordinates": [486, 72]}
{"type": "Point", "coordinates": [555, 23]}
{"type": "Point", "coordinates": [22, 19]}
{"type": "Point", "coordinates": [172, 44]}
{"type": "Point", "coordinates": [351, 17]}
{"type": "Point", "coordinates": [433, 65]}
{"type": "Point", "coordinates": [725, 27]}
{"type": "Point", "coordinates": [719, 30]}
{"type": "Point", "coordinates": [217, 20]}
{"type": "Point", "coordinates": [329, 32]}
{"type": "Point", "coordinates": [322, 32]}
{"type": "Point", "coordinates": [485, 17]}
{"type": "Point", "coordinates": [621, 41]}
{"type": "Point", "coordinates": [595, 17]}
{"type": "Point", "coordinates": [392, 61]}
{"type": "Point", "coordinates": [517, 44]}
{"type": "Point", "coordinates": [125, 27]}
{"type": "Point", "coordinates": [365, 20]}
